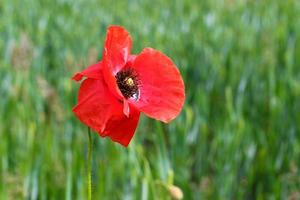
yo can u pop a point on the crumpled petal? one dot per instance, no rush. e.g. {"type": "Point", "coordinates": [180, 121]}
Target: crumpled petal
{"type": "Point", "coordinates": [93, 71]}
{"type": "Point", "coordinates": [161, 86]}
{"type": "Point", "coordinates": [100, 110]}
{"type": "Point", "coordinates": [121, 128]}
{"type": "Point", "coordinates": [117, 48]}
{"type": "Point", "coordinates": [95, 104]}
{"type": "Point", "coordinates": [115, 55]}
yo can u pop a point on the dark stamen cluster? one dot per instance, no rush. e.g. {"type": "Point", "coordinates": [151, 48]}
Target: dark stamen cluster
{"type": "Point", "coordinates": [128, 83]}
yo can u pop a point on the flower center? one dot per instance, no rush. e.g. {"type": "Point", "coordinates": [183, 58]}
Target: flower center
{"type": "Point", "coordinates": [127, 81]}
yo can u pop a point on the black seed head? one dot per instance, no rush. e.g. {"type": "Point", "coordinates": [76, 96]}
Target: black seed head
{"type": "Point", "coordinates": [128, 83]}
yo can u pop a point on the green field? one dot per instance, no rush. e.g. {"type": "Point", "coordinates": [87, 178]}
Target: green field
{"type": "Point", "coordinates": [238, 136]}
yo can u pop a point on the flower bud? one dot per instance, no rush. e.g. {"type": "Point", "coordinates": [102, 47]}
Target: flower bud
{"type": "Point", "coordinates": [175, 192]}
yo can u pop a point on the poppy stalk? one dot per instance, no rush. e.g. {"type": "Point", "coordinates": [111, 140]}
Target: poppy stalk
{"type": "Point", "coordinates": [89, 171]}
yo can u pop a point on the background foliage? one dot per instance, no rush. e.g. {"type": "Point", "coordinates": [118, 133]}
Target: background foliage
{"type": "Point", "coordinates": [238, 136]}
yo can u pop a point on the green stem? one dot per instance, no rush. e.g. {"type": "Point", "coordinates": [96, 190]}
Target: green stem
{"type": "Point", "coordinates": [89, 175]}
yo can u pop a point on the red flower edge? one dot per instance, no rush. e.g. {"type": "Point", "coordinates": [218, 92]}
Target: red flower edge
{"type": "Point", "coordinates": [116, 89]}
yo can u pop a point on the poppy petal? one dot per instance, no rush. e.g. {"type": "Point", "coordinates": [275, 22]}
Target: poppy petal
{"type": "Point", "coordinates": [121, 128]}
{"type": "Point", "coordinates": [111, 81]}
{"type": "Point", "coordinates": [115, 55]}
{"type": "Point", "coordinates": [117, 48]}
{"type": "Point", "coordinates": [162, 88]}
{"type": "Point", "coordinates": [94, 104]}
{"type": "Point", "coordinates": [93, 71]}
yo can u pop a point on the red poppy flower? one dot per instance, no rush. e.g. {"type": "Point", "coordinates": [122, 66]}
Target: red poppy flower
{"type": "Point", "coordinates": [122, 85]}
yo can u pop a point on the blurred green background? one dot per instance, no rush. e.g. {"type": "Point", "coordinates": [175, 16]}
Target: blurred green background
{"type": "Point", "coordinates": [238, 136]}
